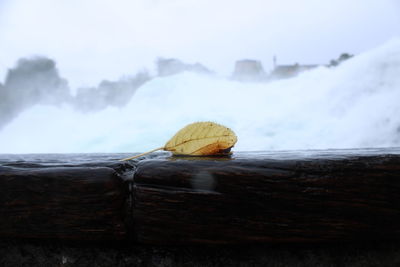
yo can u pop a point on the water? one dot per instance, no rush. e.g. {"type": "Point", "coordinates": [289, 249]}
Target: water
{"type": "Point", "coordinates": [355, 105]}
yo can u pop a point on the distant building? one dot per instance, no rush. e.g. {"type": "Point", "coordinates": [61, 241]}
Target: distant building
{"type": "Point", "coordinates": [289, 71]}
{"type": "Point", "coordinates": [248, 70]}
{"type": "Point", "coordinates": [252, 70]}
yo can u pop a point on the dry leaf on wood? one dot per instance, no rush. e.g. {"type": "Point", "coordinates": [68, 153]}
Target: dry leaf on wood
{"type": "Point", "coordinates": [199, 139]}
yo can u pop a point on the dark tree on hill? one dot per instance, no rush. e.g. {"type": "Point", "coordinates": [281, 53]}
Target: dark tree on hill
{"type": "Point", "coordinates": [343, 57]}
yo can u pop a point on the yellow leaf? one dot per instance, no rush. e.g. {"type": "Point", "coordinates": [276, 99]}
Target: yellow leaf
{"type": "Point", "coordinates": [199, 139]}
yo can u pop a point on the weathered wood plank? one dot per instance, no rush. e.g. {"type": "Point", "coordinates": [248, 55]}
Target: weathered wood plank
{"type": "Point", "coordinates": [81, 203]}
{"type": "Point", "coordinates": [249, 198]}
{"type": "Point", "coordinates": [267, 200]}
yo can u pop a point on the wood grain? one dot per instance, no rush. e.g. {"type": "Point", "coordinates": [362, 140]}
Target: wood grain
{"type": "Point", "coordinates": [279, 197]}
{"type": "Point", "coordinates": [267, 200]}
{"type": "Point", "coordinates": [81, 203]}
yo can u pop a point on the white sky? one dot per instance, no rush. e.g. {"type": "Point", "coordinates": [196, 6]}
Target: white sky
{"type": "Point", "coordinates": [96, 39]}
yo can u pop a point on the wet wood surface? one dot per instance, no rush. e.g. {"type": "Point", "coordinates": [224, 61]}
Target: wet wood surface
{"type": "Point", "coordinates": [293, 196]}
{"type": "Point", "coordinates": [318, 198]}
{"type": "Point", "coordinates": [47, 197]}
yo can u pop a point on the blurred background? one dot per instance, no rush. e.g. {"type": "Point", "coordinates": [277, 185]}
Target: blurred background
{"type": "Point", "coordinates": [124, 76]}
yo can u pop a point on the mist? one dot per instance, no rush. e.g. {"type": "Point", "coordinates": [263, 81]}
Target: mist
{"type": "Point", "coordinates": [124, 76]}
{"type": "Point", "coordinates": [103, 40]}
{"type": "Point", "coordinates": [36, 81]}
{"type": "Point", "coordinates": [352, 105]}
{"type": "Point", "coordinates": [32, 81]}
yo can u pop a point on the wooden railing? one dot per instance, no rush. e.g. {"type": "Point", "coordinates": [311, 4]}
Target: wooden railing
{"type": "Point", "coordinates": [303, 196]}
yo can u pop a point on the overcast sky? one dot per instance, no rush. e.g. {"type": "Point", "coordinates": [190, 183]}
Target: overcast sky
{"type": "Point", "coordinates": [96, 39]}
